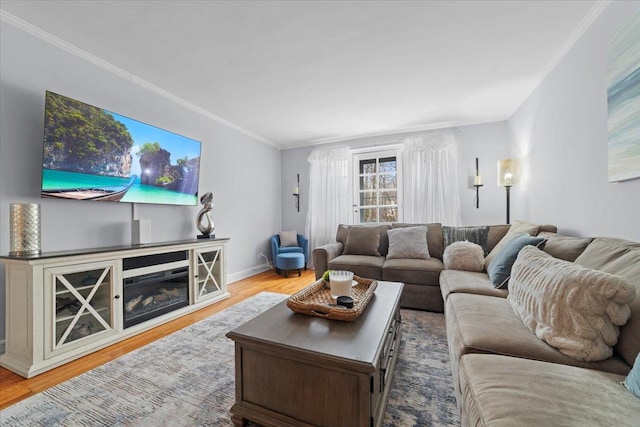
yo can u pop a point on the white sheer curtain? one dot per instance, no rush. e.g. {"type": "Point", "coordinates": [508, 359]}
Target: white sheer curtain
{"type": "Point", "coordinates": [329, 194]}
{"type": "Point", "coordinates": [430, 179]}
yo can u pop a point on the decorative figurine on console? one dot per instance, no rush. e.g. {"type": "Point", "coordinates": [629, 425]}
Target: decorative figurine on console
{"type": "Point", "coordinates": [207, 202]}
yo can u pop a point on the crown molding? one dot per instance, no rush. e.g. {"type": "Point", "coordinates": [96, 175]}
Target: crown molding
{"type": "Point", "coordinates": [74, 50]}
{"type": "Point", "coordinates": [453, 126]}
{"type": "Point", "coordinates": [575, 35]}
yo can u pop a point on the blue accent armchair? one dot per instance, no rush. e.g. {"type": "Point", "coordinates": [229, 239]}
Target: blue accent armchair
{"type": "Point", "coordinates": [276, 249]}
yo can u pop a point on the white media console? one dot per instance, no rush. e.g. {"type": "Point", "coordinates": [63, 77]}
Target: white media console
{"type": "Point", "coordinates": [63, 305]}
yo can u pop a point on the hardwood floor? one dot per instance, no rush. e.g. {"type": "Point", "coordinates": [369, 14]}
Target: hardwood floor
{"type": "Point", "coordinates": [14, 388]}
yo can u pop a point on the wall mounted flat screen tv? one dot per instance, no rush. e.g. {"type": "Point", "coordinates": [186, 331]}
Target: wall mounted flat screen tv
{"type": "Point", "coordinates": [94, 154]}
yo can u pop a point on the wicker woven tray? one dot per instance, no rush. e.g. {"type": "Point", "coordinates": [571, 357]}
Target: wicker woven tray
{"type": "Point", "coordinates": [315, 300]}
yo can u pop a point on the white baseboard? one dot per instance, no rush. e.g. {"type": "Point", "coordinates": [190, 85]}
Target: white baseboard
{"type": "Point", "coordinates": [234, 277]}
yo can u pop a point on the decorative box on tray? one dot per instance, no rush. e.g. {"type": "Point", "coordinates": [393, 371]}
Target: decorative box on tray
{"type": "Point", "coordinates": [316, 300]}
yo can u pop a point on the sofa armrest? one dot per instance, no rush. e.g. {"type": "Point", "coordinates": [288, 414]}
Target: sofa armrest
{"type": "Point", "coordinates": [323, 254]}
{"type": "Point", "coordinates": [303, 242]}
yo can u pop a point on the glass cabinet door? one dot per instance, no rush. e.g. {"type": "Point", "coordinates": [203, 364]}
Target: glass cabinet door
{"type": "Point", "coordinates": [208, 273]}
{"type": "Point", "coordinates": [82, 309]}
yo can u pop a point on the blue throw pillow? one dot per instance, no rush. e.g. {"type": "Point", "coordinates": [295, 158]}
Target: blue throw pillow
{"type": "Point", "coordinates": [499, 269]}
{"type": "Point", "coordinates": [632, 382]}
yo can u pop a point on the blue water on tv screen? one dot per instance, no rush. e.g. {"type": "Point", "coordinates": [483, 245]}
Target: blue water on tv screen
{"type": "Point", "coordinates": [94, 154]}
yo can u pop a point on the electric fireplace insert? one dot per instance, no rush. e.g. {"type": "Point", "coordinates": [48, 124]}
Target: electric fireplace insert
{"type": "Point", "coordinates": [151, 289]}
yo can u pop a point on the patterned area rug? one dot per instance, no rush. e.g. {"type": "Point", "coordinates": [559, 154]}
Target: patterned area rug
{"type": "Point", "coordinates": [187, 379]}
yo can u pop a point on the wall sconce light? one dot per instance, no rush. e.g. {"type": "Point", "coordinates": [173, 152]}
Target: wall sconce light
{"type": "Point", "coordinates": [296, 192]}
{"type": "Point", "coordinates": [507, 175]}
{"type": "Point", "coordinates": [477, 182]}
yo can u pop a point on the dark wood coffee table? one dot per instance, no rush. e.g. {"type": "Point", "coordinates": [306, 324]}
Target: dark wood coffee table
{"type": "Point", "coordinates": [299, 370]}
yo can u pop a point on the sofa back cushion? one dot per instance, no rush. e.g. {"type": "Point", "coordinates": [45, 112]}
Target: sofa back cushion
{"type": "Point", "coordinates": [361, 234]}
{"type": "Point", "coordinates": [622, 258]}
{"type": "Point", "coordinates": [341, 234]}
{"type": "Point", "coordinates": [496, 233]}
{"type": "Point", "coordinates": [564, 247]}
{"type": "Point", "coordinates": [362, 241]}
{"type": "Point", "coordinates": [548, 228]}
{"type": "Point", "coordinates": [434, 236]}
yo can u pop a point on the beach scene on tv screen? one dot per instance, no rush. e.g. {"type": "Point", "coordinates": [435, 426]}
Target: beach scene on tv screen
{"type": "Point", "coordinates": [95, 154]}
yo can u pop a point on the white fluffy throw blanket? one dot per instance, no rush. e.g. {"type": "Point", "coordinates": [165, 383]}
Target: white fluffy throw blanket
{"type": "Point", "coordinates": [575, 309]}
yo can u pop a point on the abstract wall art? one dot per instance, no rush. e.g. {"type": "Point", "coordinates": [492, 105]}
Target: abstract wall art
{"type": "Point", "coordinates": [623, 99]}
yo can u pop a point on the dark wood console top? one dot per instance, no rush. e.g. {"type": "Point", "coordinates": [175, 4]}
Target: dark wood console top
{"type": "Point", "coordinates": [88, 251]}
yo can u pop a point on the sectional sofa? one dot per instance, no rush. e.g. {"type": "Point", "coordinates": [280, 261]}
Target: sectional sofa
{"type": "Point", "coordinates": [504, 375]}
{"type": "Point", "coordinates": [366, 255]}
{"type": "Point", "coordinates": [505, 372]}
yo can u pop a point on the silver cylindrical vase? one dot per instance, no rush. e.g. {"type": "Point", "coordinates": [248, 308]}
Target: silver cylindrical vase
{"type": "Point", "coordinates": [24, 229]}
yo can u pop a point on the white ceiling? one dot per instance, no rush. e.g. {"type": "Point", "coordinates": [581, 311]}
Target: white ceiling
{"type": "Point", "coordinates": [297, 73]}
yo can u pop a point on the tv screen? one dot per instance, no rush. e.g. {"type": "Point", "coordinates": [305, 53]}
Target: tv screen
{"type": "Point", "coordinates": [94, 154]}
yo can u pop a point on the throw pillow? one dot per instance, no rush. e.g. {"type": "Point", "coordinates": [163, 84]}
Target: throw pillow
{"type": "Point", "coordinates": [500, 268]}
{"type": "Point", "coordinates": [564, 247]}
{"type": "Point", "coordinates": [632, 382]}
{"type": "Point", "coordinates": [408, 243]}
{"type": "Point", "coordinates": [288, 238]}
{"type": "Point", "coordinates": [362, 241]}
{"type": "Point", "coordinates": [517, 228]}
{"type": "Point", "coordinates": [465, 256]}
{"type": "Point", "coordinates": [622, 258]}
{"type": "Point", "coordinates": [477, 235]}
{"type": "Point", "coordinates": [575, 309]}
{"type": "Point", "coordinates": [434, 236]}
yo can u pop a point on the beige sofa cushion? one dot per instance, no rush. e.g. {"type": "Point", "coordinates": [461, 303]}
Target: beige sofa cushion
{"type": "Point", "coordinates": [483, 324]}
{"type": "Point", "coordinates": [514, 392]}
{"type": "Point", "coordinates": [369, 267]}
{"type": "Point", "coordinates": [468, 282]}
{"type": "Point", "coordinates": [416, 271]}
{"type": "Point", "coordinates": [575, 309]}
{"type": "Point", "coordinates": [620, 257]}
{"type": "Point", "coordinates": [564, 247]}
{"type": "Point", "coordinates": [496, 233]}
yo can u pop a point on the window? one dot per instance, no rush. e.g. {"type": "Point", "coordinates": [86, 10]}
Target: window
{"type": "Point", "coordinates": [376, 187]}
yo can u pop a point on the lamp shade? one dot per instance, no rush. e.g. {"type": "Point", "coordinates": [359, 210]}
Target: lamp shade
{"type": "Point", "coordinates": [507, 172]}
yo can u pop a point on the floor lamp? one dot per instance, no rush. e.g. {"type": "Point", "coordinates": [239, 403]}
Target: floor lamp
{"type": "Point", "coordinates": [507, 171]}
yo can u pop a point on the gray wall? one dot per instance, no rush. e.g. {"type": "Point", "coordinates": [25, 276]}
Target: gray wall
{"type": "Point", "coordinates": [561, 131]}
{"type": "Point", "coordinates": [488, 142]}
{"type": "Point", "coordinates": [235, 167]}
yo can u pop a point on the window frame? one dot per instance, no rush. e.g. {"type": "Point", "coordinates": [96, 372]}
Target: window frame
{"type": "Point", "coordinates": [375, 154]}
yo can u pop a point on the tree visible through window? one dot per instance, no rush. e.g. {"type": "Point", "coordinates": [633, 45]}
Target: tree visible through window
{"type": "Point", "coordinates": [377, 194]}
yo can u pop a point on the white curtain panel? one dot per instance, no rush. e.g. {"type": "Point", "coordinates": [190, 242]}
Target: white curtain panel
{"type": "Point", "coordinates": [430, 179]}
{"type": "Point", "coordinates": [329, 194]}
